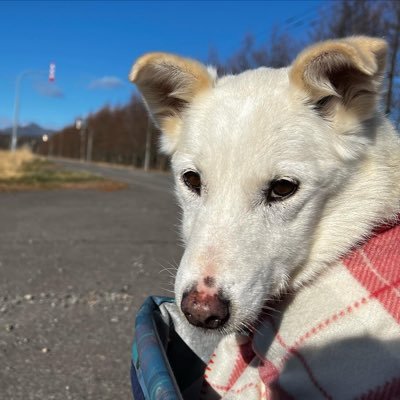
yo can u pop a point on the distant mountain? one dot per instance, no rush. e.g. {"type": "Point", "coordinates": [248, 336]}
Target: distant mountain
{"type": "Point", "coordinates": [31, 130]}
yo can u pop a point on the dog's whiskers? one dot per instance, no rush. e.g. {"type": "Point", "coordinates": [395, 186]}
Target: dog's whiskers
{"type": "Point", "coordinates": [168, 290]}
{"type": "Point", "coordinates": [170, 271]}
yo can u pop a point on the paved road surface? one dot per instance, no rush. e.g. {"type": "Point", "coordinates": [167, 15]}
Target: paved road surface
{"type": "Point", "coordinates": [74, 267]}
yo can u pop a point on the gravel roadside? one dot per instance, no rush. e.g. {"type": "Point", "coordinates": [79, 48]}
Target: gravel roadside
{"type": "Point", "coordinates": [75, 265]}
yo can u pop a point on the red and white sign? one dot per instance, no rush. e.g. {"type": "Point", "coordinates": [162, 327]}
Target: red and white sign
{"type": "Point", "coordinates": [52, 72]}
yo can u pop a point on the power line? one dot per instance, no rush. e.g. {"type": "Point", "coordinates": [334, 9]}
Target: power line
{"type": "Point", "coordinates": [288, 25]}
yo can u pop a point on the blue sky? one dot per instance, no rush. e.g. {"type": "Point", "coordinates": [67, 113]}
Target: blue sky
{"type": "Point", "coordinates": [94, 43]}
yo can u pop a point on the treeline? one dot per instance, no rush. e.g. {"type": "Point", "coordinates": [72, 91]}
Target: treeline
{"type": "Point", "coordinates": [113, 135]}
{"type": "Point", "coordinates": [119, 135]}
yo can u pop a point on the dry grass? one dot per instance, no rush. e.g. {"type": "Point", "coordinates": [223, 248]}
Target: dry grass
{"type": "Point", "coordinates": [12, 164]}
{"type": "Point", "coordinates": [23, 170]}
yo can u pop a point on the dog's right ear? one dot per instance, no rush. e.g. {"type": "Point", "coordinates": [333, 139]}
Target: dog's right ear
{"type": "Point", "coordinates": [169, 84]}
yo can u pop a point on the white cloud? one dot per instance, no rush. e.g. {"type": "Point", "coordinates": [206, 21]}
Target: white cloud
{"type": "Point", "coordinates": [106, 82]}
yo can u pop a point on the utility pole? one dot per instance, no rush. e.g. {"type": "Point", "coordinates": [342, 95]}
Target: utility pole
{"type": "Point", "coordinates": [60, 145]}
{"type": "Point", "coordinates": [82, 145]}
{"type": "Point", "coordinates": [89, 148]}
{"type": "Point", "coordinates": [147, 154]}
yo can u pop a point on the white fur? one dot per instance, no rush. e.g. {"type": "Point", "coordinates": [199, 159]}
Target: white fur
{"type": "Point", "coordinates": [239, 135]}
{"type": "Point", "coordinates": [244, 133]}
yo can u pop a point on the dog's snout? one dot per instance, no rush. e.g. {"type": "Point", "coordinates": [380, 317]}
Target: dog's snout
{"type": "Point", "coordinates": [205, 310]}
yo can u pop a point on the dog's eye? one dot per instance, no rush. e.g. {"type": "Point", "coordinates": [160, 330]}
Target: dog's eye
{"type": "Point", "coordinates": [193, 181]}
{"type": "Point", "coordinates": [281, 189]}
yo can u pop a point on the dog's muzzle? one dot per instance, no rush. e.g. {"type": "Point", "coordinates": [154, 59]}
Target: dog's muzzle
{"type": "Point", "coordinates": [205, 310]}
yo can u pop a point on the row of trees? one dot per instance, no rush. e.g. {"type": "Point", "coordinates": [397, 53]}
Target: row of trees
{"type": "Point", "coordinates": [114, 135]}
{"type": "Point", "coordinates": [119, 134]}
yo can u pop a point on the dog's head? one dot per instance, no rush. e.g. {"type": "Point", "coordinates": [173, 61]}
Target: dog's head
{"type": "Point", "coordinates": [257, 158]}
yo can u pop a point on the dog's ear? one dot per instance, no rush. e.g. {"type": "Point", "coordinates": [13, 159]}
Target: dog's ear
{"type": "Point", "coordinates": [342, 75]}
{"type": "Point", "coordinates": [169, 84]}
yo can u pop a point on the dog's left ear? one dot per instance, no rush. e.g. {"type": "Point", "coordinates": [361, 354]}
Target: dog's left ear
{"type": "Point", "coordinates": [342, 75]}
{"type": "Point", "coordinates": [169, 84]}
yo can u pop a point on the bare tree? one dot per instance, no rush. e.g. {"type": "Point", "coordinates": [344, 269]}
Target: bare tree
{"type": "Point", "coordinates": [366, 17]}
{"type": "Point", "coordinates": [349, 17]}
{"type": "Point", "coordinates": [278, 51]}
{"type": "Point", "coordinates": [393, 36]}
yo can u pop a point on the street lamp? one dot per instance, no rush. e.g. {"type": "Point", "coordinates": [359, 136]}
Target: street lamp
{"type": "Point", "coordinates": [16, 108]}
{"type": "Point", "coordinates": [22, 75]}
{"type": "Point", "coordinates": [80, 125]}
{"type": "Point", "coordinates": [45, 139]}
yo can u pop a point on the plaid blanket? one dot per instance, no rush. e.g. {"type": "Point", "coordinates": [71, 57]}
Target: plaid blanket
{"type": "Point", "coordinates": [337, 338]}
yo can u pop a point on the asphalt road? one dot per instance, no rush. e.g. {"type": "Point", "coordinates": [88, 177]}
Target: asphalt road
{"type": "Point", "coordinates": [75, 265]}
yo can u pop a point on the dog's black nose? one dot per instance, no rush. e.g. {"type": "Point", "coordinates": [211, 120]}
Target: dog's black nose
{"type": "Point", "coordinates": [205, 310]}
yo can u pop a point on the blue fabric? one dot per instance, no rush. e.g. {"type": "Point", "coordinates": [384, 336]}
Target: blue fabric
{"type": "Point", "coordinates": [150, 367]}
{"type": "Point", "coordinates": [136, 386]}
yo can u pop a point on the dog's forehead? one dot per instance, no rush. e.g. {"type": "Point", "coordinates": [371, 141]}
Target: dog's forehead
{"type": "Point", "coordinates": [251, 95]}
{"type": "Point", "coordinates": [260, 81]}
{"type": "Point", "coordinates": [250, 113]}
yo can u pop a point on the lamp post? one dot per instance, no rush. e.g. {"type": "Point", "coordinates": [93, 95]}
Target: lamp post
{"type": "Point", "coordinates": [45, 139]}
{"type": "Point", "coordinates": [80, 125]}
{"type": "Point", "coordinates": [16, 109]}
{"type": "Point", "coordinates": [22, 75]}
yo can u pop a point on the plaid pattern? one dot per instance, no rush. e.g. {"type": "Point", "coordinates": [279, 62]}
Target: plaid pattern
{"type": "Point", "coordinates": [337, 338]}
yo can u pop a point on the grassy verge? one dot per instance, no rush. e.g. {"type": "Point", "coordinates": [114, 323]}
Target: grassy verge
{"type": "Point", "coordinates": [23, 171]}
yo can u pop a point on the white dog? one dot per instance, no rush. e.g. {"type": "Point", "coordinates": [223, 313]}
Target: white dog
{"type": "Point", "coordinates": [279, 172]}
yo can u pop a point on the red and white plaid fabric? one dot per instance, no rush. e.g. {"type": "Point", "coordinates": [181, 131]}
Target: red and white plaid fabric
{"type": "Point", "coordinates": [337, 338]}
